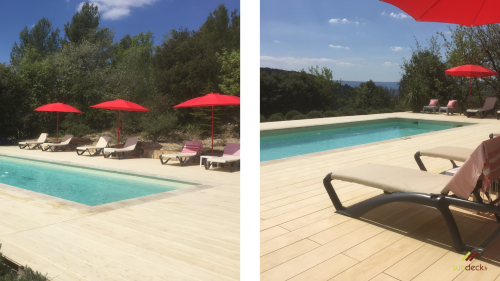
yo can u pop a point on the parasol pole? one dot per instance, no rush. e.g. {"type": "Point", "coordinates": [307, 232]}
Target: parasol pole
{"type": "Point", "coordinates": [57, 130]}
{"type": "Point", "coordinates": [212, 130]}
{"type": "Point", "coordinates": [470, 93]}
{"type": "Point", "coordinates": [118, 139]}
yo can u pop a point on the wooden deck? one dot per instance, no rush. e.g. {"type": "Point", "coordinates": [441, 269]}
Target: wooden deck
{"type": "Point", "coordinates": [191, 236]}
{"type": "Point", "coordinates": [302, 238]}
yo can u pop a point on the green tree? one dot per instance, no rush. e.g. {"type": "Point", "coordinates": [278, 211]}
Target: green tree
{"type": "Point", "coordinates": [42, 38]}
{"type": "Point", "coordinates": [424, 77]}
{"type": "Point", "coordinates": [230, 72]}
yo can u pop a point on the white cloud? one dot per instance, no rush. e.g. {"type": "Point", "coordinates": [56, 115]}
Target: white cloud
{"type": "Point", "coordinates": [33, 25]}
{"type": "Point", "coordinates": [116, 9]}
{"type": "Point", "coordinates": [396, 16]}
{"type": "Point", "coordinates": [338, 47]}
{"type": "Point", "coordinates": [276, 41]}
{"type": "Point", "coordinates": [297, 63]}
{"type": "Point", "coordinates": [387, 63]}
{"type": "Point", "coordinates": [343, 21]}
{"type": "Point", "coordinates": [396, 48]}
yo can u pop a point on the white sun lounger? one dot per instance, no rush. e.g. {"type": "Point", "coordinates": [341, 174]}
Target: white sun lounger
{"type": "Point", "coordinates": [231, 155]}
{"type": "Point", "coordinates": [128, 148]}
{"type": "Point", "coordinates": [48, 146]}
{"type": "Point", "coordinates": [101, 144]}
{"type": "Point", "coordinates": [190, 150]}
{"type": "Point", "coordinates": [36, 144]}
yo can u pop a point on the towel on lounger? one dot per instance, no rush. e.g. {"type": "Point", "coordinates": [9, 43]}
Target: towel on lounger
{"type": "Point", "coordinates": [484, 162]}
{"type": "Point", "coordinates": [193, 147]}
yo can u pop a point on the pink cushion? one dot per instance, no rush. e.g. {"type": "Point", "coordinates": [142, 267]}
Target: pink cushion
{"type": "Point", "coordinates": [451, 103]}
{"type": "Point", "coordinates": [193, 147]}
{"type": "Point", "coordinates": [433, 103]}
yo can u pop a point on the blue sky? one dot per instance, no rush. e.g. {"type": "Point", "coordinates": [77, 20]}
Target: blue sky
{"type": "Point", "coordinates": [358, 40]}
{"type": "Point", "coordinates": [125, 16]}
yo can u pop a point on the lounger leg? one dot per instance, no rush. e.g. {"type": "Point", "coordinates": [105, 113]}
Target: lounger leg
{"type": "Point", "coordinates": [236, 164]}
{"type": "Point", "coordinates": [82, 152]}
{"type": "Point", "coordinates": [327, 182]}
{"type": "Point", "coordinates": [444, 208]}
{"type": "Point", "coordinates": [419, 161]}
{"type": "Point", "coordinates": [208, 164]}
{"type": "Point", "coordinates": [161, 160]}
{"type": "Point", "coordinates": [188, 160]}
{"type": "Point", "coordinates": [453, 163]}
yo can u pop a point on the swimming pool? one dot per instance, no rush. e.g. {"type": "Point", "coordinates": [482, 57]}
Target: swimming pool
{"type": "Point", "coordinates": [277, 144]}
{"type": "Point", "coordinates": [86, 186]}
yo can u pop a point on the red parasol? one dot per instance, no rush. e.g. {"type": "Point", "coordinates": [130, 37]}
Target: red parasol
{"type": "Point", "coordinates": [464, 12]}
{"type": "Point", "coordinates": [59, 107]}
{"type": "Point", "coordinates": [120, 105]}
{"type": "Point", "coordinates": [212, 99]}
{"type": "Point", "coordinates": [470, 70]}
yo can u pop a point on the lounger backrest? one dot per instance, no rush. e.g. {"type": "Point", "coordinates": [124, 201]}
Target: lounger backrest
{"type": "Point", "coordinates": [193, 147]}
{"type": "Point", "coordinates": [232, 149]}
{"type": "Point", "coordinates": [483, 161]}
{"type": "Point", "coordinates": [489, 103]}
{"type": "Point", "coordinates": [42, 138]}
{"type": "Point", "coordinates": [131, 143]}
{"type": "Point", "coordinates": [103, 141]}
{"type": "Point", "coordinates": [66, 139]}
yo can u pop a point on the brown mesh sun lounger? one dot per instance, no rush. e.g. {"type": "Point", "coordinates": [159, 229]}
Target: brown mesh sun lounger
{"type": "Point", "coordinates": [489, 106]}
{"type": "Point", "coordinates": [451, 153]}
{"type": "Point", "coordinates": [231, 155]}
{"type": "Point", "coordinates": [128, 148]}
{"type": "Point", "coordinates": [65, 142]}
{"type": "Point", "coordinates": [101, 144]}
{"type": "Point", "coordinates": [409, 185]}
{"type": "Point", "coordinates": [36, 144]}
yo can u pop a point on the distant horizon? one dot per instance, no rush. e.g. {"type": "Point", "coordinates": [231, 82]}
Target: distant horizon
{"type": "Point", "coordinates": [361, 81]}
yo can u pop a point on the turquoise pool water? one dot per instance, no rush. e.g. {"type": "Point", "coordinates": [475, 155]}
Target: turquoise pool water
{"type": "Point", "coordinates": [309, 140]}
{"type": "Point", "coordinates": [85, 186]}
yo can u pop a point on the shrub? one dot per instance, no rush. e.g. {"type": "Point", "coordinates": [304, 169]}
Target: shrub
{"type": "Point", "coordinates": [346, 111]}
{"type": "Point", "coordinates": [315, 114]}
{"type": "Point", "coordinates": [155, 125]}
{"type": "Point", "coordinates": [361, 112]}
{"type": "Point", "coordinates": [262, 119]}
{"type": "Point", "coordinates": [386, 110]}
{"type": "Point", "coordinates": [299, 117]}
{"type": "Point", "coordinates": [373, 111]}
{"type": "Point", "coordinates": [275, 117]}
{"type": "Point", "coordinates": [399, 109]}
{"type": "Point", "coordinates": [331, 113]}
{"type": "Point", "coordinates": [291, 114]}
{"type": "Point", "coordinates": [76, 129]}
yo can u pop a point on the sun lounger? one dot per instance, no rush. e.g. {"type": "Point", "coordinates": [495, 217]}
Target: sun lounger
{"type": "Point", "coordinates": [101, 144]}
{"type": "Point", "coordinates": [429, 189]}
{"type": "Point", "coordinates": [231, 155]}
{"type": "Point", "coordinates": [451, 153]}
{"type": "Point", "coordinates": [65, 142]}
{"type": "Point", "coordinates": [128, 148]}
{"type": "Point", "coordinates": [451, 107]}
{"type": "Point", "coordinates": [190, 150]}
{"type": "Point", "coordinates": [433, 105]}
{"type": "Point", "coordinates": [489, 106]}
{"type": "Point", "coordinates": [36, 144]}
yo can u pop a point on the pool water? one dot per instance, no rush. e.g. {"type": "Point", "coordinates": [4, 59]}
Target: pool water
{"type": "Point", "coordinates": [293, 144]}
{"type": "Point", "coordinates": [86, 186]}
